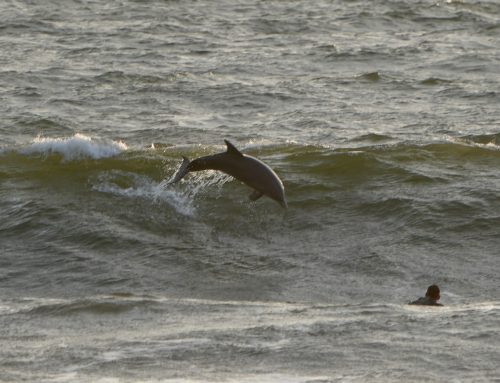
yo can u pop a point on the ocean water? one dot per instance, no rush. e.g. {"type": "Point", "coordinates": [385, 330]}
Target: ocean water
{"type": "Point", "coordinates": [382, 119]}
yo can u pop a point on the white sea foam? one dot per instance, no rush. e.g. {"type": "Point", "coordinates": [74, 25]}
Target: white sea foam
{"type": "Point", "coordinates": [234, 378]}
{"type": "Point", "coordinates": [76, 147]}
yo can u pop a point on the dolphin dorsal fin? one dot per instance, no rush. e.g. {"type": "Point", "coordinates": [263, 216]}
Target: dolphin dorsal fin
{"type": "Point", "coordinates": [231, 149]}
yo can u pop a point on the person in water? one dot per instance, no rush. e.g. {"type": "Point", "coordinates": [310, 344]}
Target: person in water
{"type": "Point", "coordinates": [431, 297]}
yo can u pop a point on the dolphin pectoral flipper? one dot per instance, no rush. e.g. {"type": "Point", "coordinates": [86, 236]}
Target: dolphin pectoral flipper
{"type": "Point", "coordinates": [181, 172]}
{"type": "Point", "coordinates": [255, 195]}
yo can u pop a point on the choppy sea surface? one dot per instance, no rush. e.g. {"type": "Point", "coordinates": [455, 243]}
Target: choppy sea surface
{"type": "Point", "coordinates": [382, 119]}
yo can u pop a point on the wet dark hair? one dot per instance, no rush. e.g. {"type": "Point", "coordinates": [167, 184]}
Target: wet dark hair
{"type": "Point", "coordinates": [433, 292]}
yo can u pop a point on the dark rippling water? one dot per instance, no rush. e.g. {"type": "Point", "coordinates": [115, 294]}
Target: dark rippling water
{"type": "Point", "coordinates": [381, 117]}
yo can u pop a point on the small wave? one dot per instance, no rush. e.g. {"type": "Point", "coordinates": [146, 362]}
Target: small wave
{"type": "Point", "coordinates": [435, 81]}
{"type": "Point", "coordinates": [372, 76]}
{"type": "Point", "coordinates": [77, 147]}
{"type": "Point", "coordinates": [372, 137]}
{"type": "Point", "coordinates": [94, 305]}
{"type": "Point", "coordinates": [485, 141]}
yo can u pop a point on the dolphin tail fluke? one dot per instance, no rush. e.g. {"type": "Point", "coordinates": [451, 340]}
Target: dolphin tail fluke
{"type": "Point", "coordinates": [181, 172]}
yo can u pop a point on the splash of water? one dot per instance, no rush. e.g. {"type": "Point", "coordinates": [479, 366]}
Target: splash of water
{"type": "Point", "coordinates": [145, 188]}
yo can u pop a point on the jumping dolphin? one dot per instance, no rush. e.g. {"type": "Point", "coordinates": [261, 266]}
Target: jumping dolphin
{"type": "Point", "coordinates": [247, 169]}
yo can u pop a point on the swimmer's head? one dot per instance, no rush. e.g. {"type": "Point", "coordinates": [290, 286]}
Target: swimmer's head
{"type": "Point", "coordinates": [433, 292]}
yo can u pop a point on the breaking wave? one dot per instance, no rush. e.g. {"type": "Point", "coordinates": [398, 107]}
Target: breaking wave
{"type": "Point", "coordinates": [73, 148]}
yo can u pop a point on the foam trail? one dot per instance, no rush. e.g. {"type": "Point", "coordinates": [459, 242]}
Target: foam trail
{"type": "Point", "coordinates": [180, 199]}
{"type": "Point", "coordinates": [145, 188]}
{"type": "Point", "coordinates": [76, 147]}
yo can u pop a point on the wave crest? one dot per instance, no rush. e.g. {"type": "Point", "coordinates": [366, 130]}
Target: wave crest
{"type": "Point", "coordinates": [77, 147]}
